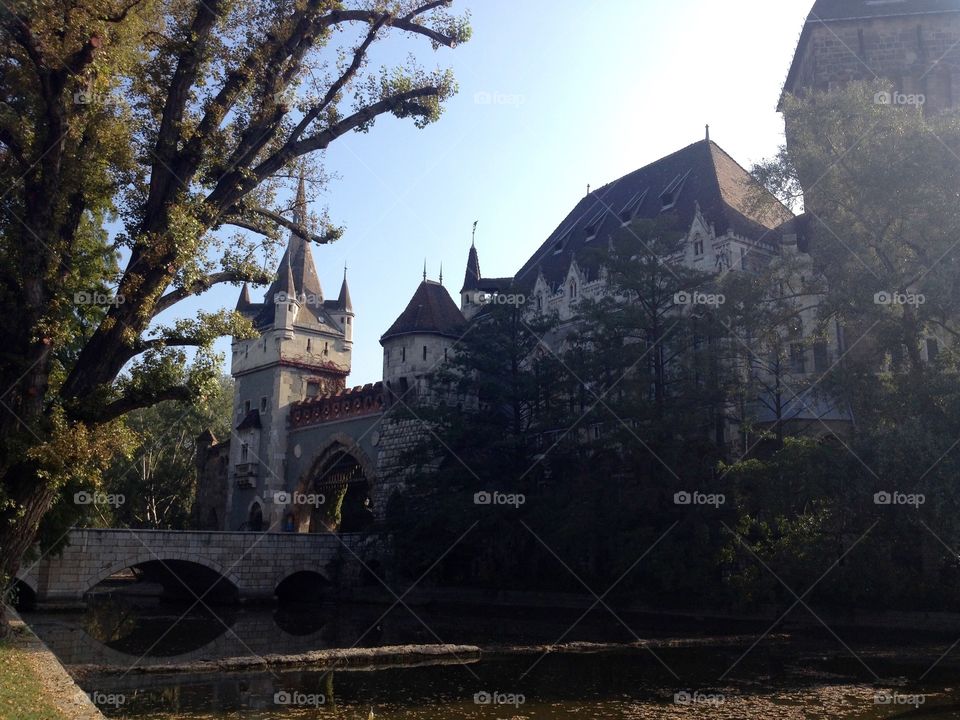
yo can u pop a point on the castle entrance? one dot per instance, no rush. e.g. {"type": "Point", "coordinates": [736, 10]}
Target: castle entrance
{"type": "Point", "coordinates": [341, 480]}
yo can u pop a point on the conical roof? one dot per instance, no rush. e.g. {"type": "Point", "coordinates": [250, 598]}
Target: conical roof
{"type": "Point", "coordinates": [431, 311]}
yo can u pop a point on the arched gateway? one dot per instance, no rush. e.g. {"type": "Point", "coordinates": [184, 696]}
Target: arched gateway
{"type": "Point", "coordinates": [341, 481]}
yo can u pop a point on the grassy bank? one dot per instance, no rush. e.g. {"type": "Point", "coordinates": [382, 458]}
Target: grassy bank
{"type": "Point", "coordinates": [21, 691]}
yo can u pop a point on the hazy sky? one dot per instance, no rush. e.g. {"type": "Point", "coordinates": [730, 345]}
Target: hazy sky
{"type": "Point", "coordinates": [582, 92]}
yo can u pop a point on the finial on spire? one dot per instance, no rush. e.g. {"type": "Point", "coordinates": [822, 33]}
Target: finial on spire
{"type": "Point", "coordinates": [424, 269]}
{"type": "Point", "coordinates": [473, 237]}
{"type": "Point", "coordinates": [588, 188]}
{"type": "Point", "coordinates": [441, 273]}
{"type": "Point", "coordinates": [344, 269]}
{"type": "Point", "coordinates": [708, 132]}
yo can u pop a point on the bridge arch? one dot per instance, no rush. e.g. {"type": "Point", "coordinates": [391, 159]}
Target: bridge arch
{"type": "Point", "coordinates": [301, 584]}
{"type": "Point", "coordinates": [344, 474]}
{"type": "Point", "coordinates": [176, 571]}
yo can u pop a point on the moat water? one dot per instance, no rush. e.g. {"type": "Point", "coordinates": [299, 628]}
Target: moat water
{"type": "Point", "coordinates": [694, 670]}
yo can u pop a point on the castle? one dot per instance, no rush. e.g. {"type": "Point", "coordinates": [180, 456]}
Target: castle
{"type": "Point", "coordinates": [301, 434]}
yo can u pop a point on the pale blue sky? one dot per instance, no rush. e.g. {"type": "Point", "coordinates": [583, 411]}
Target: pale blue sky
{"type": "Point", "coordinates": [588, 91]}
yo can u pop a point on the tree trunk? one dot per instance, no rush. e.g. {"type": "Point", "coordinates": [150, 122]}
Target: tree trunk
{"type": "Point", "coordinates": [31, 499]}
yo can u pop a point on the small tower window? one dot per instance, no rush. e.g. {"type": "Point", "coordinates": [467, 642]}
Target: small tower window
{"type": "Point", "coordinates": [244, 452]}
{"type": "Point", "coordinates": [573, 289]}
{"type": "Point", "coordinates": [263, 404]}
{"type": "Point", "coordinates": [246, 408]}
{"type": "Point", "coordinates": [308, 344]}
{"type": "Point", "coordinates": [698, 245]}
{"type": "Point", "coordinates": [424, 352]}
{"type": "Point", "coordinates": [326, 348]}
{"type": "Point", "coordinates": [403, 354]}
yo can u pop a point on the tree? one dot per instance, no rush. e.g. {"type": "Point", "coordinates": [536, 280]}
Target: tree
{"type": "Point", "coordinates": [178, 119]}
{"type": "Point", "coordinates": [159, 484]}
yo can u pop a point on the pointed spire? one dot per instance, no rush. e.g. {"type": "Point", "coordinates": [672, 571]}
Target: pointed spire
{"type": "Point", "coordinates": [284, 289]}
{"type": "Point", "coordinates": [471, 279]}
{"type": "Point", "coordinates": [300, 209]}
{"type": "Point", "coordinates": [244, 302]}
{"type": "Point", "coordinates": [344, 302]}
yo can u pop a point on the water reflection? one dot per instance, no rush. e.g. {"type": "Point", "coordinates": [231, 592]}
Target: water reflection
{"type": "Point", "coordinates": [804, 676]}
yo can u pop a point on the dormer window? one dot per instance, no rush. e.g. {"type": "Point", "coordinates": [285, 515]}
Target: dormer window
{"type": "Point", "coordinates": [698, 245]}
{"type": "Point", "coordinates": [561, 244]}
{"type": "Point", "coordinates": [593, 226]}
{"type": "Point", "coordinates": [629, 211]}
{"type": "Point", "coordinates": [668, 198]}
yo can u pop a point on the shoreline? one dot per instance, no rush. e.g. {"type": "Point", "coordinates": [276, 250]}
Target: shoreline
{"type": "Point", "coordinates": [59, 686]}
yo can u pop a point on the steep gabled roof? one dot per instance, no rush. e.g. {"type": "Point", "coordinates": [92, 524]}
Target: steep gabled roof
{"type": "Point", "coordinates": [431, 311]}
{"type": "Point", "coordinates": [700, 175]}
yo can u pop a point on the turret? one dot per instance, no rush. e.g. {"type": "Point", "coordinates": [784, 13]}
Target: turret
{"type": "Point", "coordinates": [286, 304]}
{"type": "Point", "coordinates": [345, 309]}
{"type": "Point", "coordinates": [471, 281]}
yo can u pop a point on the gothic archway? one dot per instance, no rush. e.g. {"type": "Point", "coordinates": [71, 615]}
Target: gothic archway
{"type": "Point", "coordinates": [340, 479]}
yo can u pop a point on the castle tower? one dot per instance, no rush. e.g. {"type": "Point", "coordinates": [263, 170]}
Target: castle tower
{"type": "Point", "coordinates": [913, 44]}
{"type": "Point", "coordinates": [303, 350]}
{"type": "Point", "coordinates": [420, 341]}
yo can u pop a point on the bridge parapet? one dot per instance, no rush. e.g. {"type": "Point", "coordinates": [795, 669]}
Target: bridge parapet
{"type": "Point", "coordinates": [251, 563]}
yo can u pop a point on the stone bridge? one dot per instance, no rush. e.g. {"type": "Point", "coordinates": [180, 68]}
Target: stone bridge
{"type": "Point", "coordinates": [217, 566]}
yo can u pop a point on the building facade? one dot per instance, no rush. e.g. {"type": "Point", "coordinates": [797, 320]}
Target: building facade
{"type": "Point", "coordinates": [309, 454]}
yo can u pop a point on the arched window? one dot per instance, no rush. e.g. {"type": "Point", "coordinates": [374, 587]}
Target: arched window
{"type": "Point", "coordinates": [573, 289]}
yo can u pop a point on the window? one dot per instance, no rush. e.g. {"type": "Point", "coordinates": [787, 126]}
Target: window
{"type": "Point", "coordinates": [424, 352]}
{"type": "Point", "coordinates": [573, 289]}
{"type": "Point", "coordinates": [404, 386]}
{"type": "Point", "coordinates": [821, 359]}
{"type": "Point", "coordinates": [632, 206]}
{"type": "Point", "coordinates": [313, 388]}
{"type": "Point", "coordinates": [403, 354]}
{"type": "Point", "coordinates": [743, 259]}
{"type": "Point", "coordinates": [326, 348]}
{"type": "Point", "coordinates": [308, 344]}
{"type": "Point", "coordinates": [539, 303]}
{"type": "Point", "coordinates": [263, 404]}
{"type": "Point", "coordinates": [797, 359]}
{"type": "Point", "coordinates": [246, 408]}
{"type": "Point", "coordinates": [558, 248]}
{"type": "Point", "coordinates": [933, 349]}
{"type": "Point", "coordinates": [445, 354]}
{"type": "Point", "coordinates": [244, 452]}
{"type": "Point", "coordinates": [698, 245]}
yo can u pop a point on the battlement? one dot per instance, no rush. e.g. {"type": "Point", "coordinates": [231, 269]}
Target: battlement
{"type": "Point", "coordinates": [353, 402]}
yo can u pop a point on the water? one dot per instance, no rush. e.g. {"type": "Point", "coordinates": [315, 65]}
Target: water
{"type": "Point", "coordinates": [804, 674]}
